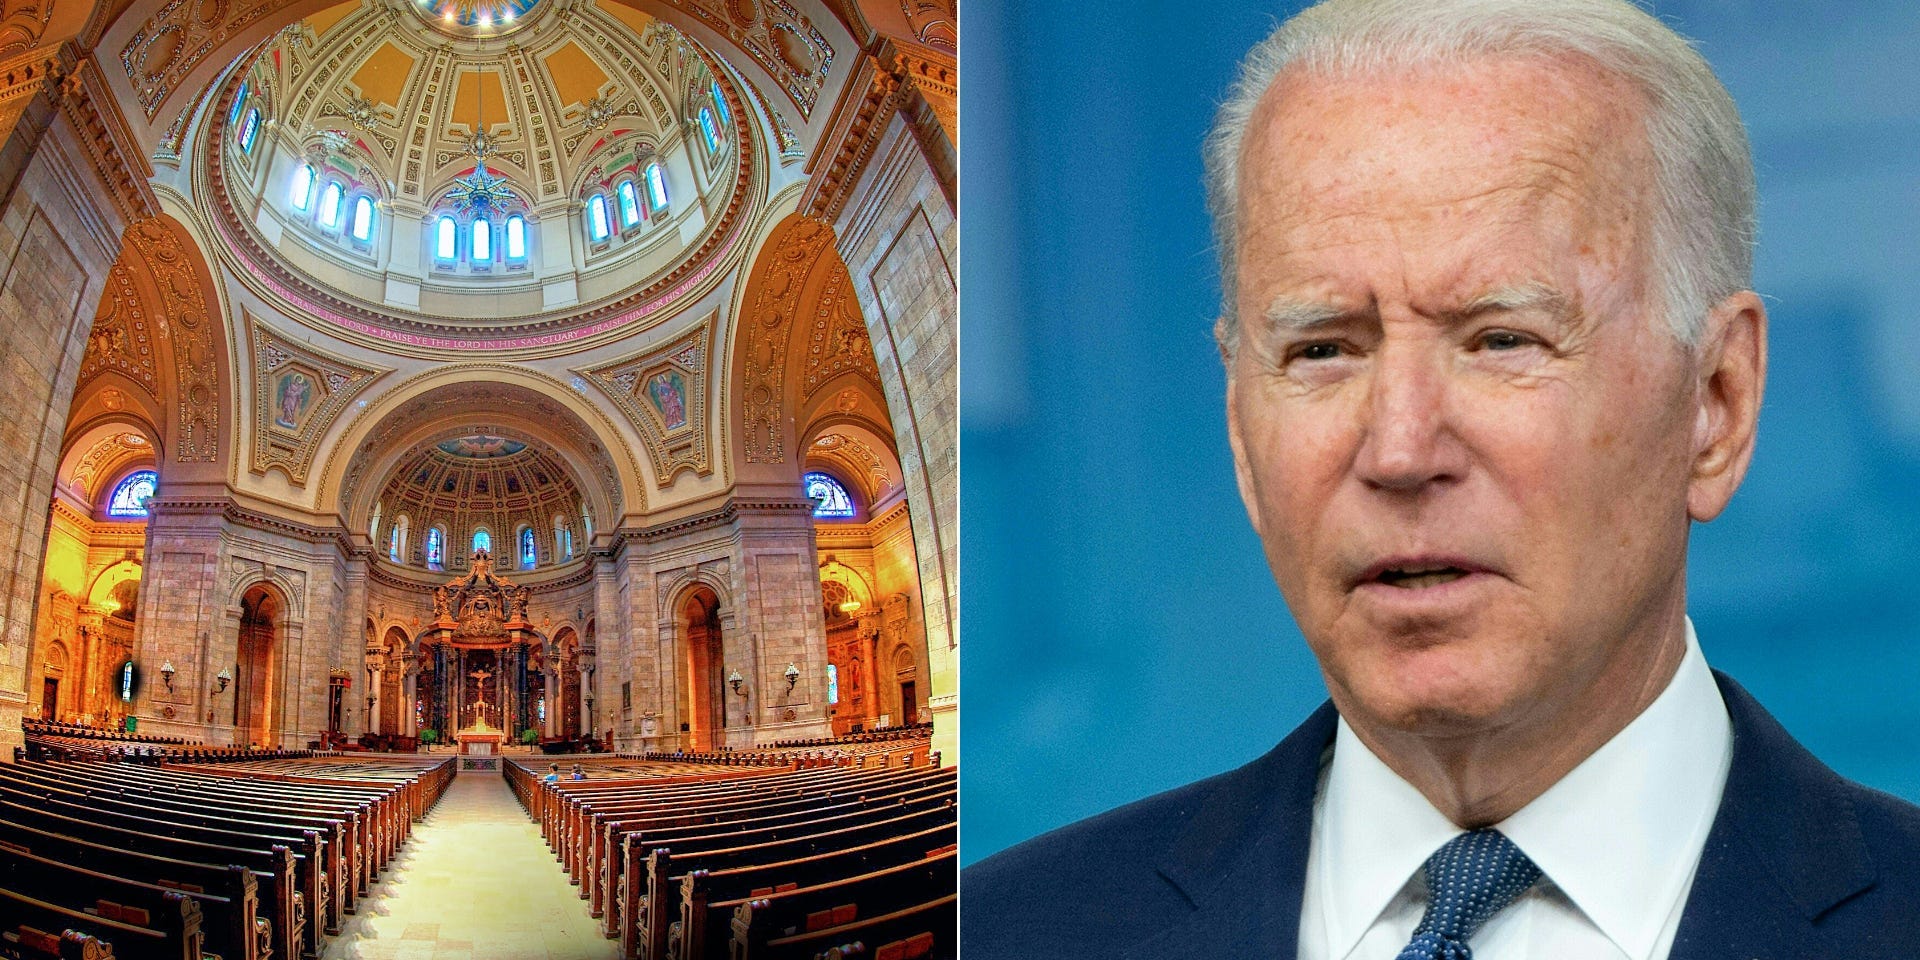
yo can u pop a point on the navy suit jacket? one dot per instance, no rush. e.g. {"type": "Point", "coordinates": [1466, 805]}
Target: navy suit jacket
{"type": "Point", "coordinates": [1800, 864]}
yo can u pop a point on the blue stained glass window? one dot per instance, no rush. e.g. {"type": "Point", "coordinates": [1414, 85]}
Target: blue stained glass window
{"type": "Point", "coordinates": [597, 226]}
{"type": "Point", "coordinates": [131, 496]}
{"type": "Point", "coordinates": [707, 130]}
{"type": "Point", "coordinates": [301, 193]}
{"type": "Point", "coordinates": [239, 103]}
{"type": "Point", "coordinates": [443, 246]}
{"type": "Point", "coordinates": [396, 536]}
{"type": "Point", "coordinates": [833, 683]}
{"type": "Point", "coordinates": [720, 103]}
{"type": "Point", "coordinates": [516, 237]}
{"type": "Point", "coordinates": [526, 548]}
{"type": "Point", "coordinates": [363, 219]}
{"type": "Point", "coordinates": [629, 206]}
{"type": "Point", "coordinates": [656, 186]}
{"type": "Point", "coordinates": [435, 551]}
{"type": "Point", "coordinates": [482, 540]}
{"type": "Point", "coordinates": [249, 131]}
{"type": "Point", "coordinates": [829, 497]}
{"type": "Point", "coordinates": [482, 241]}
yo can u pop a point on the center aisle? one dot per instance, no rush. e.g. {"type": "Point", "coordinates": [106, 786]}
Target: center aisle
{"type": "Point", "coordinates": [475, 880]}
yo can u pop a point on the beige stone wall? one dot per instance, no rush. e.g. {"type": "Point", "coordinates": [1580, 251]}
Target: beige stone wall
{"type": "Point", "coordinates": [59, 235]}
{"type": "Point", "coordinates": [898, 236]}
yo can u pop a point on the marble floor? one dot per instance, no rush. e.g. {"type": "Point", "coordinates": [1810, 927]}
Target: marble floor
{"type": "Point", "coordinates": [474, 880]}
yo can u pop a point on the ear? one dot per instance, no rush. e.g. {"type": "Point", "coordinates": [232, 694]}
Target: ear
{"type": "Point", "coordinates": [1732, 371]}
{"type": "Point", "coordinates": [1241, 474]}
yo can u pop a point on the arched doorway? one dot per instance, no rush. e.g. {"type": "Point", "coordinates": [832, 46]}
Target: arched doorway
{"type": "Point", "coordinates": [256, 707]}
{"type": "Point", "coordinates": [905, 708]}
{"type": "Point", "coordinates": [567, 668]}
{"type": "Point", "coordinates": [702, 669]}
{"type": "Point", "coordinates": [55, 670]}
{"type": "Point", "coordinates": [392, 687]}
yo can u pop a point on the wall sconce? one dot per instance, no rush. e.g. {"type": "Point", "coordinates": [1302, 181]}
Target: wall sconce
{"type": "Point", "coordinates": [166, 674]}
{"type": "Point", "coordinates": [220, 682]}
{"type": "Point", "coordinates": [734, 680]}
{"type": "Point", "coordinates": [793, 676]}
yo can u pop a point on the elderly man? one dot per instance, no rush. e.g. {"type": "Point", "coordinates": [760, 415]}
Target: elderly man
{"type": "Point", "coordinates": [1490, 350]}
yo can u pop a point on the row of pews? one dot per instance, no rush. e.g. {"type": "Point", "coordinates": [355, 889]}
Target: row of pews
{"type": "Point", "coordinates": [244, 860]}
{"type": "Point", "coordinates": [757, 862]}
{"type": "Point", "coordinates": [51, 728]}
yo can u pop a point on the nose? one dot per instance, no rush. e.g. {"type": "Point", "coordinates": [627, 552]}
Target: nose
{"type": "Point", "coordinates": [1407, 440]}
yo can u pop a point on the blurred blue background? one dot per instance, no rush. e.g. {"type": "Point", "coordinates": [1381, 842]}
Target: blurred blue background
{"type": "Point", "coordinates": [1123, 635]}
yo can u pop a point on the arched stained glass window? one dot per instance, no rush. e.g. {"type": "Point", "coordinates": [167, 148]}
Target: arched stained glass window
{"type": "Point", "coordinates": [131, 496]}
{"type": "Point", "coordinates": [527, 555]}
{"type": "Point", "coordinates": [436, 548]}
{"type": "Point", "coordinates": [656, 186]}
{"type": "Point", "coordinates": [362, 219]}
{"type": "Point", "coordinates": [330, 205]}
{"type": "Point", "coordinates": [833, 683]}
{"type": "Point", "coordinates": [482, 540]}
{"type": "Point", "coordinates": [397, 539]}
{"type": "Point", "coordinates": [829, 497]}
{"type": "Point", "coordinates": [249, 131]}
{"type": "Point", "coordinates": [482, 241]}
{"type": "Point", "coordinates": [516, 237]}
{"type": "Point", "coordinates": [629, 204]}
{"type": "Point", "coordinates": [720, 103]}
{"type": "Point", "coordinates": [562, 538]}
{"type": "Point", "coordinates": [300, 193]}
{"type": "Point", "coordinates": [707, 130]}
{"type": "Point", "coordinates": [443, 239]}
{"type": "Point", "coordinates": [597, 226]}
{"type": "Point", "coordinates": [239, 103]}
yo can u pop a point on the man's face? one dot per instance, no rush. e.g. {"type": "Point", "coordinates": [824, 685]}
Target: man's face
{"type": "Point", "coordinates": [1460, 426]}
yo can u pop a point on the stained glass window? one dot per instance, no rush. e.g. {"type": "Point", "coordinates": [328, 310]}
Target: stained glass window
{"type": "Point", "coordinates": [131, 496]}
{"type": "Point", "coordinates": [443, 246]}
{"type": "Point", "coordinates": [249, 131]}
{"type": "Point", "coordinates": [397, 539]}
{"type": "Point", "coordinates": [720, 103]}
{"type": "Point", "coordinates": [239, 103]}
{"type": "Point", "coordinates": [597, 226]}
{"type": "Point", "coordinates": [516, 237]}
{"type": "Point", "coordinates": [706, 130]}
{"type": "Point", "coordinates": [482, 241]}
{"type": "Point", "coordinates": [330, 205]}
{"type": "Point", "coordinates": [629, 204]}
{"type": "Point", "coordinates": [656, 186]}
{"type": "Point", "coordinates": [833, 683]}
{"type": "Point", "coordinates": [301, 193]}
{"type": "Point", "coordinates": [526, 548]}
{"type": "Point", "coordinates": [482, 540]}
{"type": "Point", "coordinates": [435, 550]}
{"type": "Point", "coordinates": [829, 497]}
{"type": "Point", "coordinates": [363, 219]}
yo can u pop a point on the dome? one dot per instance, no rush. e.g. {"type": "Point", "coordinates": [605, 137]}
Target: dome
{"type": "Point", "coordinates": [471, 484]}
{"type": "Point", "coordinates": [490, 174]}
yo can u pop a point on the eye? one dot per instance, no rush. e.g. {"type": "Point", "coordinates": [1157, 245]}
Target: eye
{"type": "Point", "coordinates": [1319, 351]}
{"type": "Point", "coordinates": [1502, 340]}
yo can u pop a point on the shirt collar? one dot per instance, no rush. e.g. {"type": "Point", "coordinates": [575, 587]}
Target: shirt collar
{"type": "Point", "coordinates": [1618, 834]}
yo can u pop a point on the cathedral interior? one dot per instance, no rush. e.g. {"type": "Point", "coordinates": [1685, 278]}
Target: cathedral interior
{"type": "Point", "coordinates": [405, 398]}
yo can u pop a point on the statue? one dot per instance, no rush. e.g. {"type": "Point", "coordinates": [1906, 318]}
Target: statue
{"type": "Point", "coordinates": [442, 604]}
{"type": "Point", "coordinates": [522, 596]}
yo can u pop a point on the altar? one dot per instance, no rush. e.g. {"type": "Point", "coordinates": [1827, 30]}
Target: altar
{"type": "Point", "coordinates": [477, 646]}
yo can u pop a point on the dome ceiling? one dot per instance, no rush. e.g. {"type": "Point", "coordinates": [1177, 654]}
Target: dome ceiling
{"type": "Point", "coordinates": [399, 101]}
{"type": "Point", "coordinates": [480, 481]}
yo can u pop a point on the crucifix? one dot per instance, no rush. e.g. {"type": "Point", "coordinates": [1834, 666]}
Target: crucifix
{"type": "Point", "coordinates": [480, 705]}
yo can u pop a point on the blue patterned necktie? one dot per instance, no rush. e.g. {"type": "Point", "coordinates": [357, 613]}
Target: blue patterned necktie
{"type": "Point", "coordinates": [1469, 879]}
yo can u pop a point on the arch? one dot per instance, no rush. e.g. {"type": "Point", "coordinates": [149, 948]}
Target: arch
{"type": "Point", "coordinates": [53, 689]}
{"type": "Point", "coordinates": [258, 676]}
{"type": "Point", "coordinates": [565, 716]}
{"type": "Point", "coordinates": [700, 666]}
{"type": "Point", "coordinates": [392, 694]}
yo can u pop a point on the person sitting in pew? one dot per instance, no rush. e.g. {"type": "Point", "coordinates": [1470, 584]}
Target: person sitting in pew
{"type": "Point", "coordinates": [553, 772]}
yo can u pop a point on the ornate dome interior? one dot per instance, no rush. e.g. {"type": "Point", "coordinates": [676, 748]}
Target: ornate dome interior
{"type": "Point", "coordinates": [473, 483]}
{"type": "Point", "coordinates": [461, 169]}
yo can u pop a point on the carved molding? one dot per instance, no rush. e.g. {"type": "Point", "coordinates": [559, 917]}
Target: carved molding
{"type": "Point", "coordinates": [298, 393]}
{"type": "Point", "coordinates": [665, 393]}
{"type": "Point", "coordinates": [122, 340]}
{"type": "Point", "coordinates": [780, 281]}
{"type": "Point", "coordinates": [182, 314]}
{"type": "Point", "coordinates": [880, 87]}
{"type": "Point", "coordinates": [838, 341]}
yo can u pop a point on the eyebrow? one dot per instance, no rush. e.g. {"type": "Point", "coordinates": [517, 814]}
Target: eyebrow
{"type": "Point", "coordinates": [1289, 314]}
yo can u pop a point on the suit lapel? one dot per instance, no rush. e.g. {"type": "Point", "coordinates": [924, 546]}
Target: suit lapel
{"type": "Point", "coordinates": [1241, 862]}
{"type": "Point", "coordinates": [1784, 849]}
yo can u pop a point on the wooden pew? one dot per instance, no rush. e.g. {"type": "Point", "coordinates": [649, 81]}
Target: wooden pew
{"type": "Point", "coordinates": [228, 925]}
{"type": "Point", "coordinates": [929, 930]}
{"type": "Point", "coordinates": [838, 903]}
{"type": "Point", "coordinates": [172, 933]}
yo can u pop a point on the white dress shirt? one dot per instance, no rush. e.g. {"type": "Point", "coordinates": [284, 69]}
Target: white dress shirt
{"type": "Point", "coordinates": [1617, 839]}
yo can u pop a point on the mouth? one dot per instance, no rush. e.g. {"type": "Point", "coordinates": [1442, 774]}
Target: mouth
{"type": "Point", "coordinates": [1417, 573]}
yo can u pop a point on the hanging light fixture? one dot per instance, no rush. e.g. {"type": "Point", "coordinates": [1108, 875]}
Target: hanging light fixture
{"type": "Point", "coordinates": [481, 194]}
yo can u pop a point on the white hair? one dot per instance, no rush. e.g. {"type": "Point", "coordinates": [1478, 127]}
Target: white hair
{"type": "Point", "coordinates": [1703, 192]}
